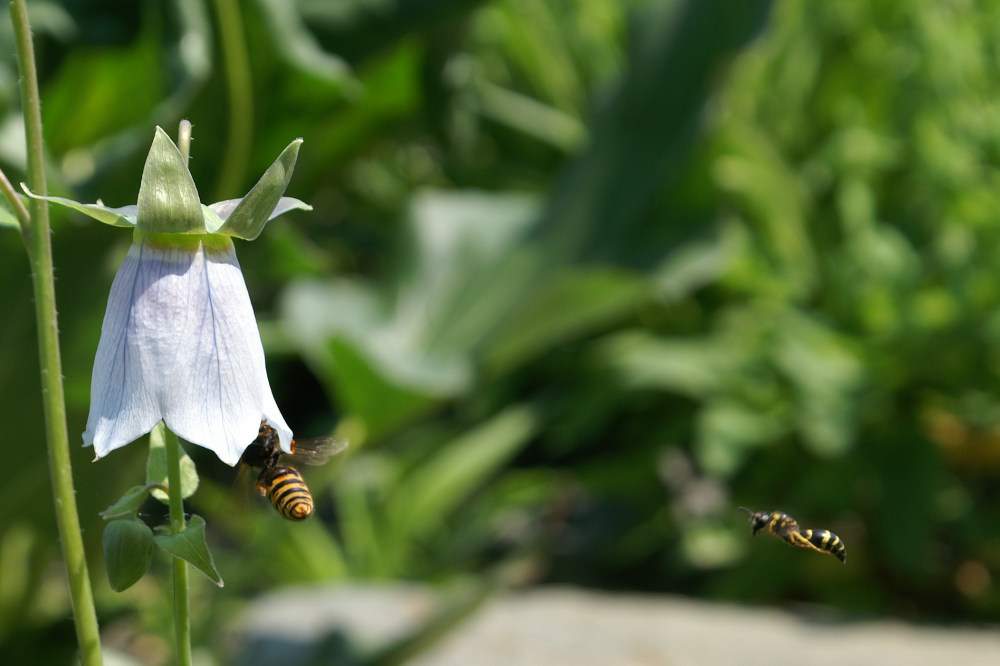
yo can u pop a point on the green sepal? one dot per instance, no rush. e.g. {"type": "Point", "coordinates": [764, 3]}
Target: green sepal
{"type": "Point", "coordinates": [211, 219]}
{"type": "Point", "coordinates": [254, 210]}
{"type": "Point", "coordinates": [168, 198]}
{"type": "Point", "coordinates": [116, 217]}
{"type": "Point", "coordinates": [169, 202]}
{"type": "Point", "coordinates": [127, 505]}
{"type": "Point", "coordinates": [128, 551]}
{"type": "Point", "coordinates": [189, 545]}
{"type": "Point", "coordinates": [156, 468]}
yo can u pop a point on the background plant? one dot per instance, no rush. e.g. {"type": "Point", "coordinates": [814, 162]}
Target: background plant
{"type": "Point", "coordinates": [570, 311]}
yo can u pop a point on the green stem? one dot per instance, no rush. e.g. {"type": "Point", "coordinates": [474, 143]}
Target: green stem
{"type": "Point", "coordinates": [182, 615]}
{"type": "Point", "coordinates": [37, 239]}
{"type": "Point", "coordinates": [239, 84]}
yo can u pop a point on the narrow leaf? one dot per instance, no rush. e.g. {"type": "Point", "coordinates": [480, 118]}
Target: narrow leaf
{"type": "Point", "coordinates": [445, 481]}
{"type": "Point", "coordinates": [294, 41]}
{"type": "Point", "coordinates": [189, 545]}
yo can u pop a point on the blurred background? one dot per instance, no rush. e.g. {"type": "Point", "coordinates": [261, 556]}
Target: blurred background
{"type": "Point", "coordinates": [583, 277]}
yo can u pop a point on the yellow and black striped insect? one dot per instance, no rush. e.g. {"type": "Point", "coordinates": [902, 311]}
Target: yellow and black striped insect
{"type": "Point", "coordinates": [784, 527]}
{"type": "Point", "coordinates": [281, 483]}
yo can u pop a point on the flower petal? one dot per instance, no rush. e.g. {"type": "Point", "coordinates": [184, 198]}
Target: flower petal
{"type": "Point", "coordinates": [121, 407]}
{"type": "Point", "coordinates": [190, 340]}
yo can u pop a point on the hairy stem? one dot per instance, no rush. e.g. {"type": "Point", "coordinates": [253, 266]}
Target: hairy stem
{"type": "Point", "coordinates": [37, 240]}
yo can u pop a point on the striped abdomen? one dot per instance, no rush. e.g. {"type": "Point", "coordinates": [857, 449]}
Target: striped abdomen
{"type": "Point", "coordinates": [826, 541]}
{"type": "Point", "coordinates": [287, 491]}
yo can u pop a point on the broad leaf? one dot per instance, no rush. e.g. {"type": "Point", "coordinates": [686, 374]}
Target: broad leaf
{"type": "Point", "coordinates": [128, 551]}
{"type": "Point", "coordinates": [189, 545]}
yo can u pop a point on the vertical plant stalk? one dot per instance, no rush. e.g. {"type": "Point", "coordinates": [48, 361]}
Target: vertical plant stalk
{"type": "Point", "coordinates": [182, 611]}
{"type": "Point", "coordinates": [182, 614]}
{"type": "Point", "coordinates": [239, 85]}
{"type": "Point", "coordinates": [37, 240]}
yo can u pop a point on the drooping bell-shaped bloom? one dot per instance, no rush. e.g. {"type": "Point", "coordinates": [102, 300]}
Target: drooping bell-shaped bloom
{"type": "Point", "coordinates": [179, 341]}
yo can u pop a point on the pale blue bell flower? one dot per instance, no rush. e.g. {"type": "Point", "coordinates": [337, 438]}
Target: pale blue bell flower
{"type": "Point", "coordinates": [179, 341]}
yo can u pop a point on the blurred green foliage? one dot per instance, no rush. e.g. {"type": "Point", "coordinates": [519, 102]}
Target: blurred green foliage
{"type": "Point", "coordinates": [582, 277]}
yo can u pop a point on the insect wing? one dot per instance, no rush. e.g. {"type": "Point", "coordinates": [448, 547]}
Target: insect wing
{"type": "Point", "coordinates": [316, 450]}
{"type": "Point", "coordinates": [242, 491]}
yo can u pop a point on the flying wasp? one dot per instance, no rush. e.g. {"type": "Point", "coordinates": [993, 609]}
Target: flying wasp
{"type": "Point", "coordinates": [784, 527]}
{"type": "Point", "coordinates": [281, 483]}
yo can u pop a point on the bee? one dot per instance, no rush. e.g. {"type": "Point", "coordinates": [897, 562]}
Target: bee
{"type": "Point", "coordinates": [784, 527]}
{"type": "Point", "coordinates": [283, 484]}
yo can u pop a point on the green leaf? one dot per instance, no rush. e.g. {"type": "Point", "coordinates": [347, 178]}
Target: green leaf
{"type": "Point", "coordinates": [296, 43]}
{"type": "Point", "coordinates": [168, 198]}
{"type": "Point", "coordinates": [156, 468]}
{"type": "Point", "coordinates": [127, 504]}
{"type": "Point", "coordinates": [383, 401]}
{"type": "Point", "coordinates": [7, 217]}
{"type": "Point", "coordinates": [563, 306]}
{"type": "Point", "coordinates": [254, 210]}
{"type": "Point", "coordinates": [416, 336]}
{"type": "Point", "coordinates": [189, 545]}
{"type": "Point", "coordinates": [128, 551]}
{"type": "Point", "coordinates": [728, 429]}
{"type": "Point", "coordinates": [599, 208]}
{"type": "Point", "coordinates": [117, 217]}
{"type": "Point", "coordinates": [445, 481]}
{"type": "Point", "coordinates": [695, 367]}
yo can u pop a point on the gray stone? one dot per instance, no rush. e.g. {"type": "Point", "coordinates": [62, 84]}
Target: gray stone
{"type": "Point", "coordinates": [555, 626]}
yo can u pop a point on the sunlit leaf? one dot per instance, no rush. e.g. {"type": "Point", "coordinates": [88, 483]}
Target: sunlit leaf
{"type": "Point", "coordinates": [422, 501]}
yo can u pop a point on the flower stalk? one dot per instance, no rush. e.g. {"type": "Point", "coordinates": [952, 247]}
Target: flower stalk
{"type": "Point", "coordinates": [239, 88]}
{"type": "Point", "coordinates": [182, 613]}
{"type": "Point", "coordinates": [182, 607]}
{"type": "Point", "coordinates": [37, 241]}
